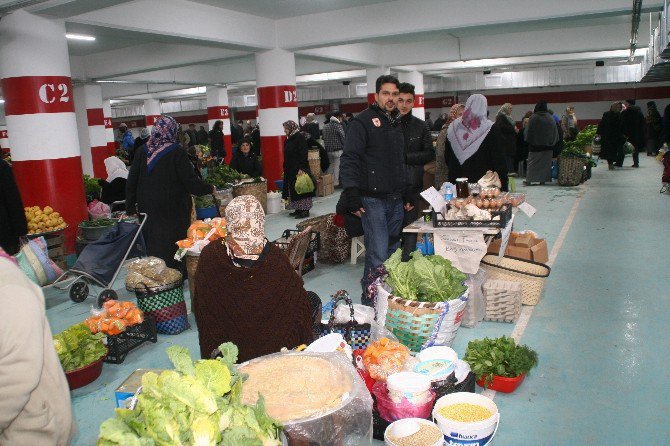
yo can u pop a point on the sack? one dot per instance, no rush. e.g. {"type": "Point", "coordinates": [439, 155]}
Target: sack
{"type": "Point", "coordinates": [304, 184]}
{"type": "Point", "coordinates": [357, 335]}
{"type": "Point", "coordinates": [167, 306]}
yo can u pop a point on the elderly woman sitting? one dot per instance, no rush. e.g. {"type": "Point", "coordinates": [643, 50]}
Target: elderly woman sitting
{"type": "Point", "coordinates": [247, 292]}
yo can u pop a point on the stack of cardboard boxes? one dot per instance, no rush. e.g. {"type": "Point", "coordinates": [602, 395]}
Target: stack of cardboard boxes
{"type": "Point", "coordinates": [523, 245]}
{"type": "Point", "coordinates": [325, 186]}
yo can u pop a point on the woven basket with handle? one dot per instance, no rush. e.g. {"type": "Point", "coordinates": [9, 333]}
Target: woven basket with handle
{"type": "Point", "coordinates": [570, 171]}
{"type": "Point", "coordinates": [531, 275]}
{"type": "Point", "coordinates": [257, 189]}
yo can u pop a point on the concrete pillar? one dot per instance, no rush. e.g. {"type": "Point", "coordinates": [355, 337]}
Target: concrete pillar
{"type": "Point", "coordinates": [40, 116]}
{"type": "Point", "coordinates": [91, 129]}
{"type": "Point", "coordinates": [217, 109]}
{"type": "Point", "coordinates": [416, 78]}
{"type": "Point", "coordinates": [277, 103]}
{"type": "Point", "coordinates": [4, 139]}
{"type": "Point", "coordinates": [109, 130]}
{"type": "Point", "coordinates": [372, 74]}
{"type": "Point", "coordinates": [152, 111]}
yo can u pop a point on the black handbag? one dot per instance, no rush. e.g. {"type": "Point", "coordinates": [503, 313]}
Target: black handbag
{"type": "Point", "coordinates": [357, 335]}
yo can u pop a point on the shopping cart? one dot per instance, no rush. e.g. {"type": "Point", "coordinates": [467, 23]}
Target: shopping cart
{"type": "Point", "coordinates": [100, 261]}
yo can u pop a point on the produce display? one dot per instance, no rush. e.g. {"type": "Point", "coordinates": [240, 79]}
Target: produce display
{"type": "Point", "coordinates": [198, 403]}
{"type": "Point", "coordinates": [465, 412]}
{"type": "Point", "coordinates": [98, 223]}
{"type": "Point", "coordinates": [199, 234]}
{"type": "Point", "coordinates": [224, 177]}
{"type": "Point", "coordinates": [91, 185]}
{"type": "Point", "coordinates": [114, 318]}
{"type": "Point", "coordinates": [499, 357]}
{"type": "Point", "coordinates": [205, 201]}
{"type": "Point", "coordinates": [43, 220]}
{"type": "Point", "coordinates": [384, 357]}
{"type": "Point", "coordinates": [295, 387]}
{"type": "Point", "coordinates": [424, 278]}
{"type": "Point", "coordinates": [77, 347]}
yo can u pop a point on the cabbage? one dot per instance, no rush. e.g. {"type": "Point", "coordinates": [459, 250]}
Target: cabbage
{"type": "Point", "coordinates": [195, 404]}
{"type": "Point", "coordinates": [77, 347]}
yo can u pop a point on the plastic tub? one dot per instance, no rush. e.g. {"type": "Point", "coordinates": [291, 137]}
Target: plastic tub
{"type": "Point", "coordinates": [435, 369]}
{"type": "Point", "coordinates": [501, 383]}
{"type": "Point", "coordinates": [409, 385]}
{"type": "Point", "coordinates": [408, 421]}
{"type": "Point", "coordinates": [209, 212]}
{"type": "Point", "coordinates": [438, 352]}
{"type": "Point", "coordinates": [274, 203]}
{"type": "Point", "coordinates": [94, 233]}
{"type": "Point", "coordinates": [461, 433]}
{"type": "Point", "coordinates": [85, 375]}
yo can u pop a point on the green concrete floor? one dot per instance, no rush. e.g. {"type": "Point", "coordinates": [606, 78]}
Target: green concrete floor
{"type": "Point", "coordinates": [600, 328]}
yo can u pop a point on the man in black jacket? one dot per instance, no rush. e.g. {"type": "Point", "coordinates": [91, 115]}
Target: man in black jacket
{"type": "Point", "coordinates": [634, 124]}
{"type": "Point", "coordinates": [418, 152]}
{"type": "Point", "coordinates": [373, 174]}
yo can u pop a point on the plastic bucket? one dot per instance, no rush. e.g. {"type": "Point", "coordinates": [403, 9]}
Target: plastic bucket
{"type": "Point", "coordinates": [209, 212]}
{"type": "Point", "coordinates": [478, 433]}
{"type": "Point", "coordinates": [412, 386]}
{"type": "Point", "coordinates": [274, 203]}
{"type": "Point", "coordinates": [398, 424]}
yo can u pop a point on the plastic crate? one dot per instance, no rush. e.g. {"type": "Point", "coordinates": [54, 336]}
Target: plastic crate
{"type": "Point", "coordinates": [505, 214]}
{"type": "Point", "coordinates": [309, 264]}
{"type": "Point", "coordinates": [314, 243]}
{"type": "Point", "coordinates": [120, 345]}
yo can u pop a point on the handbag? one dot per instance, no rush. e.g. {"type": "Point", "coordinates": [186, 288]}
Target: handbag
{"type": "Point", "coordinates": [355, 334]}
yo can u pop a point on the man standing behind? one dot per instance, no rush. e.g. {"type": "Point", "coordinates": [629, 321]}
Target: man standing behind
{"type": "Point", "coordinates": [127, 140]}
{"type": "Point", "coordinates": [333, 140]}
{"type": "Point", "coordinates": [312, 127]}
{"type": "Point", "coordinates": [202, 136]}
{"type": "Point", "coordinates": [372, 173]}
{"type": "Point", "coordinates": [633, 123]}
{"type": "Point", "coordinates": [192, 135]}
{"type": "Point", "coordinates": [418, 152]}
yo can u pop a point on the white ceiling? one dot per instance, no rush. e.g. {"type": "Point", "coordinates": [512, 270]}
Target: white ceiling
{"type": "Point", "coordinates": [283, 9]}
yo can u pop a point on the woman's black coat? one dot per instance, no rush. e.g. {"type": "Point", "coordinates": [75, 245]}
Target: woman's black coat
{"type": "Point", "coordinates": [295, 159]}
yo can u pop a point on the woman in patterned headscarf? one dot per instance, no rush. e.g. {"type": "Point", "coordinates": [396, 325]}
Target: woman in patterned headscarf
{"type": "Point", "coordinates": [160, 183]}
{"type": "Point", "coordinates": [295, 163]}
{"type": "Point", "coordinates": [247, 292]}
{"type": "Point", "coordinates": [455, 112]}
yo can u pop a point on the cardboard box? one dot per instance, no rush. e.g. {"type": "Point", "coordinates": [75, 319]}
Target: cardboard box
{"type": "Point", "coordinates": [536, 250]}
{"type": "Point", "coordinates": [325, 186]}
{"type": "Point", "coordinates": [129, 387]}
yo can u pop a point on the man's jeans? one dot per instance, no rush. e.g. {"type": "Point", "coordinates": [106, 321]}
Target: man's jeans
{"type": "Point", "coordinates": [382, 224]}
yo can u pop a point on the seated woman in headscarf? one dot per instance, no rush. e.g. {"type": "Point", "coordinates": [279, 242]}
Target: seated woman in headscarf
{"type": "Point", "coordinates": [246, 291]}
{"type": "Point", "coordinates": [114, 186]}
{"type": "Point", "coordinates": [245, 161]}
{"type": "Point", "coordinates": [473, 145]}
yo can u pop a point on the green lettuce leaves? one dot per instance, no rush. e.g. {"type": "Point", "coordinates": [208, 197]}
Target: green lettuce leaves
{"type": "Point", "coordinates": [424, 278]}
{"type": "Point", "coordinates": [77, 347]}
{"type": "Point", "coordinates": [197, 403]}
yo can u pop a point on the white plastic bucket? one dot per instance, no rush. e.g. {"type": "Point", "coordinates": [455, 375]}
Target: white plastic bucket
{"type": "Point", "coordinates": [438, 352]}
{"type": "Point", "coordinates": [479, 433]}
{"type": "Point", "coordinates": [274, 203]}
{"type": "Point", "coordinates": [412, 386]}
{"type": "Point", "coordinates": [390, 429]}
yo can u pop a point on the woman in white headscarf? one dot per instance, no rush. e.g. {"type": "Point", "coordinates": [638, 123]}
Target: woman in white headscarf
{"type": "Point", "coordinates": [246, 290]}
{"type": "Point", "coordinates": [473, 144]}
{"type": "Point", "coordinates": [114, 186]}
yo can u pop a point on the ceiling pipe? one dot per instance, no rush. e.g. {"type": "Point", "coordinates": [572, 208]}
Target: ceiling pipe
{"type": "Point", "coordinates": [635, 24]}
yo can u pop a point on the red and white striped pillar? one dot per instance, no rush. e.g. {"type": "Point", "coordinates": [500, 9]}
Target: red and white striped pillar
{"type": "Point", "coordinates": [91, 126]}
{"type": "Point", "coordinates": [39, 110]}
{"type": "Point", "coordinates": [277, 103]}
{"type": "Point", "coordinates": [416, 78]}
{"type": "Point", "coordinates": [217, 109]}
{"type": "Point", "coordinates": [152, 111]}
{"type": "Point", "coordinates": [372, 74]}
{"type": "Point", "coordinates": [4, 139]}
{"type": "Point", "coordinates": [109, 130]}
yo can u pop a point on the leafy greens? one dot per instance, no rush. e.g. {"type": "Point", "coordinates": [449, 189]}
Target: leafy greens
{"type": "Point", "coordinates": [196, 404]}
{"type": "Point", "coordinates": [424, 278]}
{"type": "Point", "coordinates": [77, 346]}
{"type": "Point", "coordinates": [501, 356]}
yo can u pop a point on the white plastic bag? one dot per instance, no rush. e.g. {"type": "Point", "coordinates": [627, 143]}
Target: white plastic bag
{"type": "Point", "coordinates": [476, 306]}
{"type": "Point", "coordinates": [362, 314]}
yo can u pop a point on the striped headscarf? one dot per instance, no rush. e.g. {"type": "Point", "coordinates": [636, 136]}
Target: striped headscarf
{"type": "Point", "coordinates": [164, 138]}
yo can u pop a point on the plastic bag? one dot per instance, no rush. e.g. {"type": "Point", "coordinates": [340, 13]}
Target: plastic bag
{"type": "Point", "coordinates": [362, 314]}
{"type": "Point", "coordinates": [348, 424]}
{"type": "Point", "coordinates": [390, 411]}
{"type": "Point", "coordinates": [490, 179]}
{"type": "Point", "coordinates": [98, 209]}
{"type": "Point", "coordinates": [34, 261]}
{"type": "Point", "coordinates": [385, 357]}
{"type": "Point", "coordinates": [150, 267]}
{"type": "Point", "coordinates": [475, 309]}
{"type": "Point", "coordinates": [304, 184]}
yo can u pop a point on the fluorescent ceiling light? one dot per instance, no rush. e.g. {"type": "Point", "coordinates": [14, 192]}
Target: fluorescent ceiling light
{"type": "Point", "coordinates": [2, 101]}
{"type": "Point", "coordinates": [80, 37]}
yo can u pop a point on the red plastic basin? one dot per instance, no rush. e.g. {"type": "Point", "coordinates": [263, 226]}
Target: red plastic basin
{"type": "Point", "coordinates": [85, 375]}
{"type": "Point", "coordinates": [502, 384]}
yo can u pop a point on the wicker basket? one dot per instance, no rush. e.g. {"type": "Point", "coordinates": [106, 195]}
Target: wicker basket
{"type": "Point", "coordinates": [570, 171]}
{"type": "Point", "coordinates": [503, 301]}
{"type": "Point", "coordinates": [257, 189]}
{"type": "Point", "coordinates": [421, 324]}
{"type": "Point", "coordinates": [314, 159]}
{"type": "Point", "coordinates": [191, 267]}
{"type": "Point", "coordinates": [531, 275]}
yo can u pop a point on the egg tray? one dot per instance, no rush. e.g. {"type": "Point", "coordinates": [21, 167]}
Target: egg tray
{"type": "Point", "coordinates": [503, 301]}
{"type": "Point", "coordinates": [505, 214]}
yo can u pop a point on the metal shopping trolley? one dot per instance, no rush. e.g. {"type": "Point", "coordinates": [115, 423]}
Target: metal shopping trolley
{"type": "Point", "coordinates": [100, 262]}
